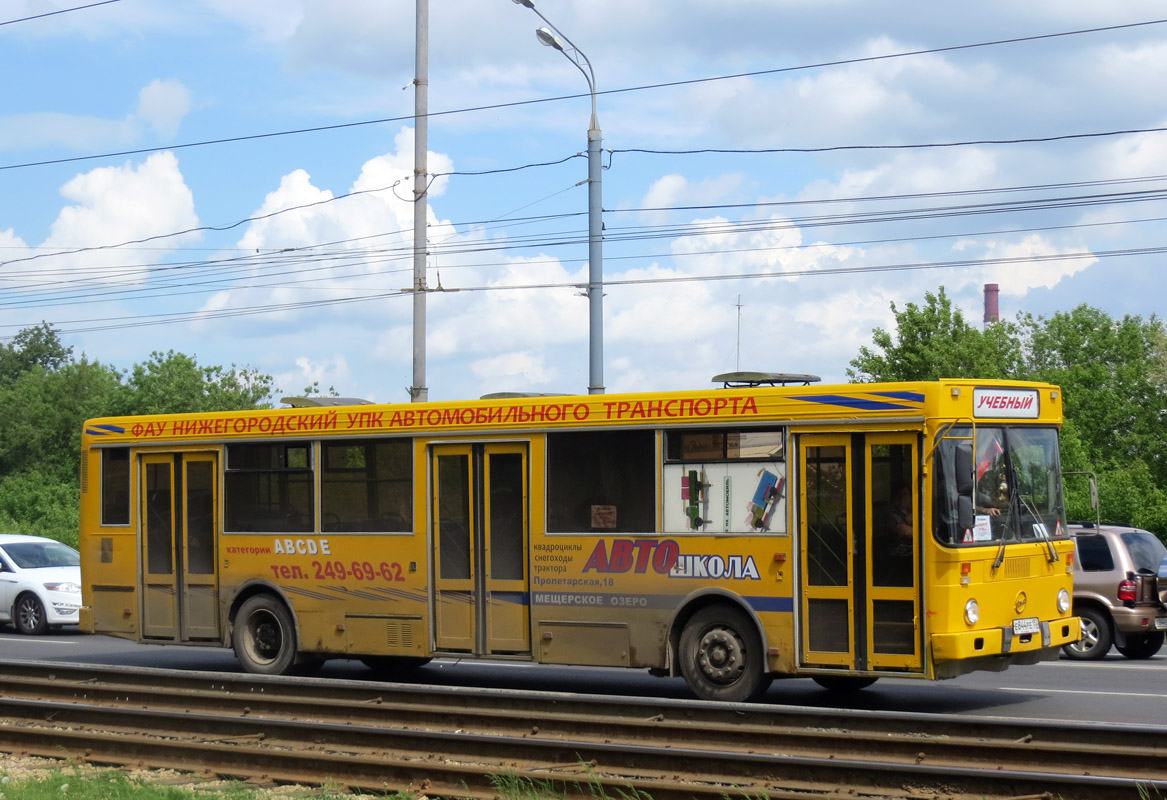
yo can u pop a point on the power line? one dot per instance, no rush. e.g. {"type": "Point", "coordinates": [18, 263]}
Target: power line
{"type": "Point", "coordinates": [122, 322]}
{"type": "Point", "coordinates": [328, 258]}
{"type": "Point", "coordinates": [921, 146]}
{"type": "Point", "coordinates": [625, 90]}
{"type": "Point", "coordinates": [55, 13]}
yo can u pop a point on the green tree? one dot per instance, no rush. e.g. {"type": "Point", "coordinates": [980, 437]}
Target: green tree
{"type": "Point", "coordinates": [47, 395]}
{"type": "Point", "coordinates": [170, 383]}
{"type": "Point", "coordinates": [44, 414]}
{"type": "Point", "coordinates": [934, 341]}
{"type": "Point", "coordinates": [1113, 375]}
{"type": "Point", "coordinates": [39, 346]}
{"type": "Point", "coordinates": [1107, 371]}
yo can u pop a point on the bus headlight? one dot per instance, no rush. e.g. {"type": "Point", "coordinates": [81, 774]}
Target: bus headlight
{"type": "Point", "coordinates": [1063, 601]}
{"type": "Point", "coordinates": [972, 612]}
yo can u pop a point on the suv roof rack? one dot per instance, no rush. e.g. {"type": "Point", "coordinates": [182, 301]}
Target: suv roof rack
{"type": "Point", "coordinates": [736, 380]}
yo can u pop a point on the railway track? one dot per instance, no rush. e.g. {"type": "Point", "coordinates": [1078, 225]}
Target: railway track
{"type": "Point", "coordinates": [457, 742]}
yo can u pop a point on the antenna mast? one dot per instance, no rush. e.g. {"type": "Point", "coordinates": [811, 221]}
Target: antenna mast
{"type": "Point", "coordinates": [738, 362]}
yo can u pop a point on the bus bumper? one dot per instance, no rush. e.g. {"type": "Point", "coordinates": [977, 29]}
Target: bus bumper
{"type": "Point", "coordinates": [1003, 642]}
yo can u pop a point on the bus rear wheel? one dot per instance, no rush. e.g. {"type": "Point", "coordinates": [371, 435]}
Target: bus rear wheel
{"type": "Point", "coordinates": [721, 655]}
{"type": "Point", "coordinates": [394, 665]}
{"type": "Point", "coordinates": [843, 684]}
{"type": "Point", "coordinates": [264, 636]}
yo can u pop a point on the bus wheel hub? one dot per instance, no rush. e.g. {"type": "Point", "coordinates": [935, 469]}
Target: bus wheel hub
{"type": "Point", "coordinates": [720, 656]}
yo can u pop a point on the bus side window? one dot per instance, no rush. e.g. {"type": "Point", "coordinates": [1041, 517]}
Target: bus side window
{"type": "Point", "coordinates": [366, 485]}
{"type": "Point", "coordinates": [115, 486]}
{"type": "Point", "coordinates": [602, 481]}
{"type": "Point", "coordinates": [269, 488]}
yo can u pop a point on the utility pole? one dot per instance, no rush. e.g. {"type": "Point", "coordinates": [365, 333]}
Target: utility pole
{"type": "Point", "coordinates": [418, 393]}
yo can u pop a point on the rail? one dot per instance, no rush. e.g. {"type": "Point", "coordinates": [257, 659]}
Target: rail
{"type": "Point", "coordinates": [446, 741]}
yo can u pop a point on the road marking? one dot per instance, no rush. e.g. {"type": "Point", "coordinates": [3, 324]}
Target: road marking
{"type": "Point", "coordinates": [1080, 691]}
{"type": "Point", "coordinates": [30, 640]}
{"type": "Point", "coordinates": [1158, 666]}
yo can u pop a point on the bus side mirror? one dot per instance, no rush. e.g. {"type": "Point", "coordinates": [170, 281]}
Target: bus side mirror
{"type": "Point", "coordinates": [964, 513]}
{"type": "Point", "coordinates": [964, 469]}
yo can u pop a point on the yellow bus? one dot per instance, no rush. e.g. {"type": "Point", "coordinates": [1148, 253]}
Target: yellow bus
{"type": "Point", "coordinates": [769, 528]}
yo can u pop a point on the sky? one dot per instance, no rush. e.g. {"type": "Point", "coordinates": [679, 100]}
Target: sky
{"type": "Point", "coordinates": [234, 181]}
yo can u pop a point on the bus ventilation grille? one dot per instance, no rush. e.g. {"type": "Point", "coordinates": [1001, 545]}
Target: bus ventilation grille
{"type": "Point", "coordinates": [399, 635]}
{"type": "Point", "coordinates": [84, 473]}
{"type": "Point", "coordinates": [1018, 567]}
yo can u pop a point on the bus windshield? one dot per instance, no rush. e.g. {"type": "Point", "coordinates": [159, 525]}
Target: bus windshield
{"type": "Point", "coordinates": [1016, 486]}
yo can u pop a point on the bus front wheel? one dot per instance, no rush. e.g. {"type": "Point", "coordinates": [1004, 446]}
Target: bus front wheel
{"type": "Point", "coordinates": [264, 636]}
{"type": "Point", "coordinates": [721, 655]}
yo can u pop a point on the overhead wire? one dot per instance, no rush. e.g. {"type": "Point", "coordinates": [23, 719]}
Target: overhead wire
{"type": "Point", "coordinates": [58, 11]}
{"type": "Point", "coordinates": [329, 258]}
{"type": "Point", "coordinates": [632, 234]}
{"type": "Point", "coordinates": [623, 90]}
{"type": "Point", "coordinates": [122, 322]}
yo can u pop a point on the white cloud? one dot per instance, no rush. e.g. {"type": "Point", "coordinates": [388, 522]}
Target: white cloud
{"type": "Point", "coordinates": [325, 373]}
{"type": "Point", "coordinates": [528, 367]}
{"type": "Point", "coordinates": [1021, 274]}
{"type": "Point", "coordinates": [163, 105]}
{"type": "Point", "coordinates": [113, 205]}
{"type": "Point", "coordinates": [272, 20]}
{"type": "Point", "coordinates": [73, 131]}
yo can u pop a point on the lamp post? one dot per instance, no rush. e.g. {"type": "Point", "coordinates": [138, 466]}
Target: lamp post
{"type": "Point", "coordinates": [553, 37]}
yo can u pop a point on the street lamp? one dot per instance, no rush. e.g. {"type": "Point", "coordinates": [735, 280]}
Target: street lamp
{"type": "Point", "coordinates": [553, 37]}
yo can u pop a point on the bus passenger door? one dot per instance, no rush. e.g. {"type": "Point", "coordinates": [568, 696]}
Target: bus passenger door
{"type": "Point", "coordinates": [159, 578]}
{"type": "Point", "coordinates": [180, 512]}
{"type": "Point", "coordinates": [893, 540]}
{"type": "Point", "coordinates": [826, 527]}
{"type": "Point", "coordinates": [859, 511]}
{"type": "Point", "coordinates": [200, 581]}
{"type": "Point", "coordinates": [481, 527]}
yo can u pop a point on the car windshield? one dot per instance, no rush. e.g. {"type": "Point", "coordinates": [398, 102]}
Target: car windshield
{"type": "Point", "coordinates": [1017, 492]}
{"type": "Point", "coordinates": [1145, 548]}
{"type": "Point", "coordinates": [33, 555]}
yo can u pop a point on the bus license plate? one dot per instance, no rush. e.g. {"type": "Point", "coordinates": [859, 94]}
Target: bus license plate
{"type": "Point", "coordinates": [1027, 625]}
{"type": "Point", "coordinates": [1161, 623]}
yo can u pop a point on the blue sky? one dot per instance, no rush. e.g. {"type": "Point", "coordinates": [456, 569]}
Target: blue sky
{"type": "Point", "coordinates": [88, 237]}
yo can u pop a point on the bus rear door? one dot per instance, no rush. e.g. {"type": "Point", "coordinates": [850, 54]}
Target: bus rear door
{"type": "Point", "coordinates": [481, 527]}
{"type": "Point", "coordinates": [179, 520]}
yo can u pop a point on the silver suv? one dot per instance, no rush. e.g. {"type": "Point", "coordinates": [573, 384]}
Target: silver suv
{"type": "Point", "coordinates": [1115, 592]}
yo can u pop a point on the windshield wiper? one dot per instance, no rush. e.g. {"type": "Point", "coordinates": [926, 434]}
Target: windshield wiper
{"type": "Point", "coordinates": [1043, 531]}
{"type": "Point", "coordinates": [1007, 524]}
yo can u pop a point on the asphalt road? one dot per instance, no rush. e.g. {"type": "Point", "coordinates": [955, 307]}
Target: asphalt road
{"type": "Point", "coordinates": [1115, 689]}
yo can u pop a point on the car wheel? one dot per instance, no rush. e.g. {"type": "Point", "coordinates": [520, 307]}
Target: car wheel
{"type": "Point", "coordinates": [264, 636]}
{"type": "Point", "coordinates": [721, 655]}
{"type": "Point", "coordinates": [29, 615]}
{"type": "Point", "coordinates": [1096, 636]}
{"type": "Point", "coordinates": [1141, 645]}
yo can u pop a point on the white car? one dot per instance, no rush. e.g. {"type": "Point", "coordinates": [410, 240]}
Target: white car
{"type": "Point", "coordinates": [40, 583]}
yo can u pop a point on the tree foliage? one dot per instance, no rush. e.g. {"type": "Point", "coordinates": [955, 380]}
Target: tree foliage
{"type": "Point", "coordinates": [1113, 375]}
{"type": "Point", "coordinates": [934, 341]}
{"type": "Point", "coordinates": [32, 347]}
{"type": "Point", "coordinates": [48, 394]}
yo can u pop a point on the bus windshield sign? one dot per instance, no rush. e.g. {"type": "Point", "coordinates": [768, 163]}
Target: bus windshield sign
{"type": "Point", "coordinates": [1011, 403]}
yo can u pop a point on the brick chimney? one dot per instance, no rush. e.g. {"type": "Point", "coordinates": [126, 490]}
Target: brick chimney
{"type": "Point", "coordinates": [991, 314]}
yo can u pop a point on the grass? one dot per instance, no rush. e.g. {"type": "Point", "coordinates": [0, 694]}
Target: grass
{"type": "Point", "coordinates": [85, 784]}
